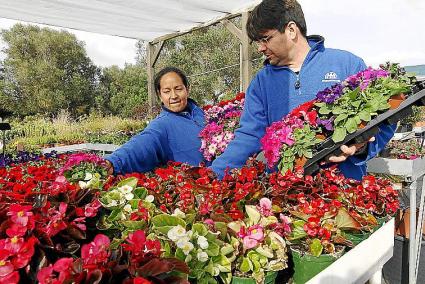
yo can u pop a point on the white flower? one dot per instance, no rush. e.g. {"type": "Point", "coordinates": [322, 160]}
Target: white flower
{"type": "Point", "coordinates": [202, 256]}
{"type": "Point", "coordinates": [176, 233]}
{"type": "Point", "coordinates": [187, 248]}
{"type": "Point", "coordinates": [179, 213]}
{"type": "Point", "coordinates": [88, 176]}
{"type": "Point", "coordinates": [203, 242]}
{"type": "Point", "coordinates": [128, 208]}
{"type": "Point", "coordinates": [150, 198]}
{"type": "Point", "coordinates": [212, 148]}
{"type": "Point", "coordinates": [82, 184]}
{"type": "Point", "coordinates": [129, 196]}
{"type": "Point", "coordinates": [125, 189]}
{"type": "Point", "coordinates": [182, 242]}
{"type": "Point", "coordinates": [113, 203]}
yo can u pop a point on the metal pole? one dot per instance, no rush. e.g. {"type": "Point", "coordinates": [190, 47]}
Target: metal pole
{"type": "Point", "coordinates": [412, 247]}
{"type": "Point", "coordinates": [419, 228]}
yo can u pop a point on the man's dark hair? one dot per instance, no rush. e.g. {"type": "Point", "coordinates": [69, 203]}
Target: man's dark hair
{"type": "Point", "coordinates": [275, 14]}
{"type": "Point", "coordinates": [165, 71]}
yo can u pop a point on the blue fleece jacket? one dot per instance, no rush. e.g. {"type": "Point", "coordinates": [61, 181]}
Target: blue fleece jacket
{"type": "Point", "coordinates": [276, 90]}
{"type": "Point", "coordinates": [169, 137]}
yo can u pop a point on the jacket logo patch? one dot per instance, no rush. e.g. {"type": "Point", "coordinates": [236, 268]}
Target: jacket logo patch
{"type": "Point", "coordinates": [331, 77]}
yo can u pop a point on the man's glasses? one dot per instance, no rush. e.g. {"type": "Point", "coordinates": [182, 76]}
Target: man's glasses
{"type": "Point", "coordinates": [265, 40]}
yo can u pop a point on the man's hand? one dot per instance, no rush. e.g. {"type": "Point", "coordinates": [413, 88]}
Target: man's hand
{"type": "Point", "coordinates": [109, 167]}
{"type": "Point", "coordinates": [348, 151]}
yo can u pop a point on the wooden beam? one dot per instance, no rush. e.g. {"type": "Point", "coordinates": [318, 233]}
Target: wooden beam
{"type": "Point", "coordinates": [152, 57]}
{"type": "Point", "coordinates": [245, 56]}
{"type": "Point", "coordinates": [232, 28]}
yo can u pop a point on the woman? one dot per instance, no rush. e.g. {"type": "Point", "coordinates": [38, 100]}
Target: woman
{"type": "Point", "coordinates": [172, 136]}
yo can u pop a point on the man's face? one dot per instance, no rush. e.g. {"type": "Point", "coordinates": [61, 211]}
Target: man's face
{"type": "Point", "coordinates": [276, 46]}
{"type": "Point", "coordinates": [173, 92]}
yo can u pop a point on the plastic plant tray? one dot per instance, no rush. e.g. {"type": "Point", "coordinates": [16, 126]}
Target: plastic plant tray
{"type": "Point", "coordinates": [329, 147]}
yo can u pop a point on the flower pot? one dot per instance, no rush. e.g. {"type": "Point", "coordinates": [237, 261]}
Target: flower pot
{"type": "Point", "coordinates": [357, 238]}
{"type": "Point", "coordinates": [362, 125]}
{"type": "Point", "coordinates": [300, 161]}
{"type": "Point", "coordinates": [396, 100]}
{"type": "Point", "coordinates": [321, 137]}
{"type": "Point", "coordinates": [269, 279]}
{"type": "Point", "coordinates": [307, 266]}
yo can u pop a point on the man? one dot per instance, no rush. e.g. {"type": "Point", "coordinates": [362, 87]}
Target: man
{"type": "Point", "coordinates": [296, 68]}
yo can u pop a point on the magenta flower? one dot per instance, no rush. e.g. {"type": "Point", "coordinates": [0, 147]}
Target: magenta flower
{"type": "Point", "coordinates": [265, 207]}
{"type": "Point", "coordinates": [97, 251]}
{"type": "Point", "coordinates": [251, 237]}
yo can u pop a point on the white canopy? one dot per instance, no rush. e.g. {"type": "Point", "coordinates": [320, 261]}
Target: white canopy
{"type": "Point", "coordinates": [139, 19]}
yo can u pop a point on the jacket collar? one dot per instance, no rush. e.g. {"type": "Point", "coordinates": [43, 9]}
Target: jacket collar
{"type": "Point", "coordinates": [191, 105]}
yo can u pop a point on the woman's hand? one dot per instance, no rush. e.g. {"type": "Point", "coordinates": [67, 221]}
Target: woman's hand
{"type": "Point", "coordinates": [348, 151]}
{"type": "Point", "coordinates": [109, 167]}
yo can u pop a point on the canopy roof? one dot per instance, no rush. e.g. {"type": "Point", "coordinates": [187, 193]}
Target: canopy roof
{"type": "Point", "coordinates": [139, 19]}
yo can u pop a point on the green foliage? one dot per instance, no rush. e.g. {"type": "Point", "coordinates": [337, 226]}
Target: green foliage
{"type": "Point", "coordinates": [34, 132]}
{"type": "Point", "coordinates": [123, 91]}
{"type": "Point", "coordinates": [45, 71]}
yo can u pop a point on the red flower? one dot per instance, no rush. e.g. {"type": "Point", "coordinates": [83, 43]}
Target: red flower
{"type": "Point", "coordinates": [96, 252]}
{"type": "Point", "coordinates": [20, 214]}
{"type": "Point", "coordinates": [141, 280]}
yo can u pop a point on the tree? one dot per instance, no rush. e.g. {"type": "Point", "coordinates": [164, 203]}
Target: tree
{"type": "Point", "coordinates": [47, 70]}
{"type": "Point", "coordinates": [123, 91]}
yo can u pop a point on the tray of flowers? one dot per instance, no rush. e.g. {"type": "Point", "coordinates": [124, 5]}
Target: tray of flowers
{"type": "Point", "coordinates": [346, 113]}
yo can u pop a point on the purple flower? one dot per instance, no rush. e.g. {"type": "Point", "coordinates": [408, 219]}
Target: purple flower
{"type": "Point", "coordinates": [329, 95]}
{"type": "Point", "coordinates": [327, 123]}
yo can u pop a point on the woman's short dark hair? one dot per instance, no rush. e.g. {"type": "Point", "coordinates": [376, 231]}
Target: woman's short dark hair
{"type": "Point", "coordinates": [167, 70]}
{"type": "Point", "coordinates": [275, 14]}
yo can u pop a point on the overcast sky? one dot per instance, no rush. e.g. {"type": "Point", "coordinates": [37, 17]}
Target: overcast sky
{"type": "Point", "coordinates": [376, 30]}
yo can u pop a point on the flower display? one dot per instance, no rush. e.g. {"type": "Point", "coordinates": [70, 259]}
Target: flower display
{"type": "Point", "coordinates": [336, 111]}
{"type": "Point", "coordinates": [221, 122]}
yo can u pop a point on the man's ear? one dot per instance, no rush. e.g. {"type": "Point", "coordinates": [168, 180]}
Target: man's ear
{"type": "Point", "coordinates": [292, 30]}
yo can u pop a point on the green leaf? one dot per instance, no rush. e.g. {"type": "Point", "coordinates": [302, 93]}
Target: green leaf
{"type": "Point", "coordinates": [365, 116]}
{"type": "Point", "coordinates": [140, 193]}
{"type": "Point", "coordinates": [343, 220]}
{"type": "Point", "coordinates": [134, 225]}
{"type": "Point", "coordinates": [324, 110]}
{"type": "Point", "coordinates": [167, 220]}
{"type": "Point", "coordinates": [316, 247]}
{"type": "Point", "coordinates": [213, 249]}
{"type": "Point", "coordinates": [340, 117]}
{"type": "Point", "coordinates": [200, 229]}
{"type": "Point", "coordinates": [246, 265]}
{"type": "Point", "coordinates": [339, 134]}
{"type": "Point", "coordinates": [338, 110]}
{"type": "Point", "coordinates": [115, 243]}
{"type": "Point", "coordinates": [351, 125]}
{"type": "Point", "coordinates": [253, 214]}
{"type": "Point", "coordinates": [131, 181]}
{"type": "Point", "coordinates": [297, 230]}
{"type": "Point", "coordinates": [115, 215]}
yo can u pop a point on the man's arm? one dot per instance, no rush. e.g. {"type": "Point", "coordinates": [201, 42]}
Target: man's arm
{"type": "Point", "coordinates": [247, 137]}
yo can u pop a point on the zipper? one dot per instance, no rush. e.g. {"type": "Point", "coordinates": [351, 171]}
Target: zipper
{"type": "Point", "coordinates": [297, 84]}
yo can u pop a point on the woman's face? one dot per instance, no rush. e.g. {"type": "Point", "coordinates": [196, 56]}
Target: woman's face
{"type": "Point", "coordinates": [173, 93]}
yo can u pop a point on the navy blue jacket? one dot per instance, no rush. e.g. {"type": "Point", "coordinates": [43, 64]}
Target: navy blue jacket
{"type": "Point", "coordinates": [169, 137]}
{"type": "Point", "coordinates": [276, 90]}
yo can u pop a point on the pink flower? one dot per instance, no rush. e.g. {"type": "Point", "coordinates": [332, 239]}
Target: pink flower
{"type": "Point", "coordinates": [96, 252]}
{"type": "Point", "coordinates": [20, 214]}
{"type": "Point", "coordinates": [252, 237]}
{"type": "Point", "coordinates": [265, 207]}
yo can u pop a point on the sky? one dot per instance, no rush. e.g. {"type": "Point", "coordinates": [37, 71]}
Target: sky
{"type": "Point", "coordinates": [376, 30]}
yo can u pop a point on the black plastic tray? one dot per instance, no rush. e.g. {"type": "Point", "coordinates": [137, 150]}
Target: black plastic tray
{"type": "Point", "coordinates": [329, 148]}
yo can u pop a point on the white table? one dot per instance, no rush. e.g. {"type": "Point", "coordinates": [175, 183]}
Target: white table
{"type": "Point", "coordinates": [362, 263]}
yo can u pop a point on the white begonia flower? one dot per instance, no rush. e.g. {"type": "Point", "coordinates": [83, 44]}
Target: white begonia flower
{"type": "Point", "coordinates": [125, 189]}
{"type": "Point", "coordinates": [187, 248]}
{"type": "Point", "coordinates": [82, 184]}
{"type": "Point", "coordinates": [179, 213]}
{"type": "Point", "coordinates": [128, 208]}
{"type": "Point", "coordinates": [129, 196]}
{"type": "Point", "coordinates": [149, 198]}
{"type": "Point", "coordinates": [203, 242]}
{"type": "Point", "coordinates": [181, 242]}
{"type": "Point", "coordinates": [88, 176]}
{"type": "Point", "coordinates": [176, 233]}
{"type": "Point", "coordinates": [113, 203]}
{"type": "Point", "coordinates": [202, 256]}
